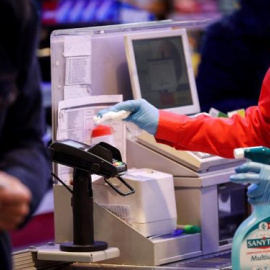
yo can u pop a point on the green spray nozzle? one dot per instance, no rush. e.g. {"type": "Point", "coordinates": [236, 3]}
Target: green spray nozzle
{"type": "Point", "coordinates": [259, 154]}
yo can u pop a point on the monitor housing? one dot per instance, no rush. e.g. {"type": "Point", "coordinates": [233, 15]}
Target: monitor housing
{"type": "Point", "coordinates": [161, 70]}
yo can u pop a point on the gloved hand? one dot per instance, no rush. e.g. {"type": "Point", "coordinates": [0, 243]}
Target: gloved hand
{"type": "Point", "coordinates": [258, 175]}
{"type": "Point", "coordinates": [143, 114]}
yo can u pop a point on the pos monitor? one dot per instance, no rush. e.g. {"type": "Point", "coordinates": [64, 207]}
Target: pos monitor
{"type": "Point", "coordinates": [161, 71]}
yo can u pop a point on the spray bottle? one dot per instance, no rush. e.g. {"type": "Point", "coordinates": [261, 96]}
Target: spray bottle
{"type": "Point", "coordinates": [102, 133]}
{"type": "Point", "coordinates": [251, 241]}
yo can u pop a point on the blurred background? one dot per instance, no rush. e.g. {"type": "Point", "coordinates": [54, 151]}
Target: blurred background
{"type": "Point", "coordinates": [67, 14]}
{"type": "Point", "coordinates": [61, 14]}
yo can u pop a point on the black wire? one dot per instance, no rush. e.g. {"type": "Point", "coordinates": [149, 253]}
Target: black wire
{"type": "Point", "coordinates": [62, 182]}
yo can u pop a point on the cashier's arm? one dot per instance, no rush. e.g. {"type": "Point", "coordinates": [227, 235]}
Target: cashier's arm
{"type": "Point", "coordinates": [15, 199]}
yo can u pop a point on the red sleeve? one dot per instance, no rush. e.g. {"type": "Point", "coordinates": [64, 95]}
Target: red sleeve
{"type": "Point", "coordinates": [218, 136]}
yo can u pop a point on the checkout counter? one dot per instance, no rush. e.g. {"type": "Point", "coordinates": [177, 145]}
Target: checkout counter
{"type": "Point", "coordinates": [138, 240]}
{"type": "Point", "coordinates": [192, 187]}
{"type": "Point", "coordinates": [130, 245]}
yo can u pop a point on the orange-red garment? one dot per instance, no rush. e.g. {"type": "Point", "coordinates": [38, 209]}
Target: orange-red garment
{"type": "Point", "coordinates": [218, 136]}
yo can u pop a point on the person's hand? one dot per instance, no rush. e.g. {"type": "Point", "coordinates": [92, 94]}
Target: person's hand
{"type": "Point", "coordinates": [14, 201]}
{"type": "Point", "coordinates": [258, 175]}
{"type": "Point", "coordinates": [143, 114]}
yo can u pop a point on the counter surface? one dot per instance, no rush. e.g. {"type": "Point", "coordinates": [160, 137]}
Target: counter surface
{"type": "Point", "coordinates": [209, 262]}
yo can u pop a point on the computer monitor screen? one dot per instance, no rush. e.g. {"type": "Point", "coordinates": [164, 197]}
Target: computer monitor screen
{"type": "Point", "coordinates": [161, 71]}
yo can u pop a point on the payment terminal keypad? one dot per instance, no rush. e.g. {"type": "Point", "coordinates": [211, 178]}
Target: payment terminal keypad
{"type": "Point", "coordinates": [121, 166]}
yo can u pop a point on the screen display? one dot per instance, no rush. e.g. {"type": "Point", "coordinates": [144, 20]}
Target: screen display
{"type": "Point", "coordinates": [74, 144]}
{"type": "Point", "coordinates": [162, 71]}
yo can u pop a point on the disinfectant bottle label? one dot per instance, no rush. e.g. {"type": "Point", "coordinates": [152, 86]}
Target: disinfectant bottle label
{"type": "Point", "coordinates": [255, 249]}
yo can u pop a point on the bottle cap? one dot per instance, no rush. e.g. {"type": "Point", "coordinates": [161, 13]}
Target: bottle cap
{"type": "Point", "coordinates": [239, 153]}
{"type": "Point", "coordinates": [101, 130]}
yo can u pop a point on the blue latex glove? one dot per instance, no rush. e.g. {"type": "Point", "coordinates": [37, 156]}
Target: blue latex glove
{"type": "Point", "coordinates": [258, 175]}
{"type": "Point", "coordinates": [143, 114]}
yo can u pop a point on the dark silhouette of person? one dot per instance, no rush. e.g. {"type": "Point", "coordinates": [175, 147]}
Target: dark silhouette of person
{"type": "Point", "coordinates": [235, 55]}
{"type": "Point", "coordinates": [24, 160]}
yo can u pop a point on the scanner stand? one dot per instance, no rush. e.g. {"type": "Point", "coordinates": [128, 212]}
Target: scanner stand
{"type": "Point", "coordinates": [82, 205]}
{"type": "Point", "coordinates": [102, 159]}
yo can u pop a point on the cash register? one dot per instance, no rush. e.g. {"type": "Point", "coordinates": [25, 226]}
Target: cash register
{"type": "Point", "coordinates": [161, 72]}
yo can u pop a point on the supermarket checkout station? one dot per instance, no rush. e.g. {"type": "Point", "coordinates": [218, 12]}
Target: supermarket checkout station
{"type": "Point", "coordinates": [133, 219]}
{"type": "Point", "coordinates": [136, 217]}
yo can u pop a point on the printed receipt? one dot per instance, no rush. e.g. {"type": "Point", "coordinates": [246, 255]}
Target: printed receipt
{"type": "Point", "coordinates": [76, 121]}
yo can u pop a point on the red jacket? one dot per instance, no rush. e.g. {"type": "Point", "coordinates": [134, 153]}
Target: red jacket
{"type": "Point", "coordinates": [219, 136]}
